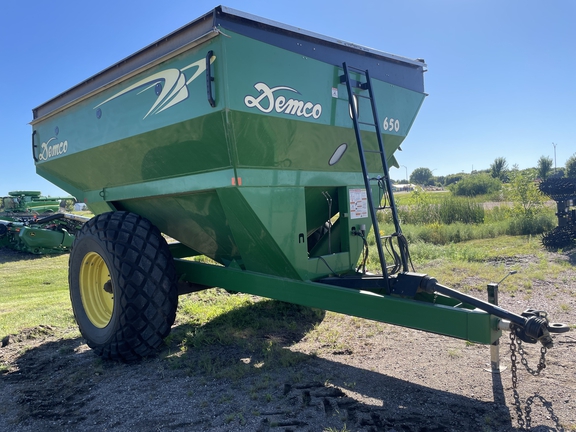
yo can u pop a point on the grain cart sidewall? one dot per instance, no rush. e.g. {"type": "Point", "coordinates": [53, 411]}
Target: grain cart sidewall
{"type": "Point", "coordinates": [143, 279]}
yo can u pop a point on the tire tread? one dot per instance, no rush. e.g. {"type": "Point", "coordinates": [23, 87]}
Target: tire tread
{"type": "Point", "coordinates": [147, 279]}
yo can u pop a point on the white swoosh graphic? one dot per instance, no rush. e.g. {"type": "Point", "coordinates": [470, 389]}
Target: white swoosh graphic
{"type": "Point", "coordinates": [174, 90]}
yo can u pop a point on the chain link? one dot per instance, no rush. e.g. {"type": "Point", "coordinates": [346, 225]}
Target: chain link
{"type": "Point", "coordinates": [513, 358]}
{"type": "Point", "coordinates": [529, 402]}
{"type": "Point", "coordinates": [541, 364]}
{"type": "Point", "coordinates": [516, 346]}
{"type": "Point", "coordinates": [514, 341]}
{"type": "Point", "coordinates": [514, 370]}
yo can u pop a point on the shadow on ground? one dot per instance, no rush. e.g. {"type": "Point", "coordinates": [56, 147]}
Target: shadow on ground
{"type": "Point", "coordinates": [248, 378]}
{"type": "Point", "coordinates": [9, 255]}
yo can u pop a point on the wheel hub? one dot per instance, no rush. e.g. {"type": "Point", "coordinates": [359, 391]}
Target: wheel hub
{"type": "Point", "coordinates": [96, 290]}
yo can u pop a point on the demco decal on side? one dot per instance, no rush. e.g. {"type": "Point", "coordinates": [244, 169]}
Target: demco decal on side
{"type": "Point", "coordinates": [267, 102]}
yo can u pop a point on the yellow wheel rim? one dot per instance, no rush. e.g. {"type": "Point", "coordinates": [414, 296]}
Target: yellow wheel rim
{"type": "Point", "coordinates": [98, 304]}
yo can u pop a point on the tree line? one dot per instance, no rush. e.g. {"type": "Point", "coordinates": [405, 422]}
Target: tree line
{"type": "Point", "coordinates": [498, 173]}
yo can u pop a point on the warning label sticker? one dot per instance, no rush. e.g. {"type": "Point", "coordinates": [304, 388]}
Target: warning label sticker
{"type": "Point", "coordinates": [358, 204]}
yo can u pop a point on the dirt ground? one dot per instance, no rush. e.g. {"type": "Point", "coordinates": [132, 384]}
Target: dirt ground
{"type": "Point", "coordinates": [373, 377]}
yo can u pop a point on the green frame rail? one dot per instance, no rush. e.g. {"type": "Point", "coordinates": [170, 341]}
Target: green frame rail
{"type": "Point", "coordinates": [441, 315]}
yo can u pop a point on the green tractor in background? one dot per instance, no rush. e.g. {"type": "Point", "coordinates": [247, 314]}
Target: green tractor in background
{"type": "Point", "coordinates": [29, 204]}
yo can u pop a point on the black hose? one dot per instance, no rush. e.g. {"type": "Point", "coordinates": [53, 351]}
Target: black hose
{"type": "Point", "coordinates": [50, 218]}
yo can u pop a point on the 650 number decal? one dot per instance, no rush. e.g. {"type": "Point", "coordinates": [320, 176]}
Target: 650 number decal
{"type": "Point", "coordinates": [392, 125]}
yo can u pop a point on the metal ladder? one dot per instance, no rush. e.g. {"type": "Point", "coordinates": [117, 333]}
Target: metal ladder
{"type": "Point", "coordinates": [383, 180]}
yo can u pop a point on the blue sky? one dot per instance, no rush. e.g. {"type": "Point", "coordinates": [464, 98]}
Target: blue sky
{"type": "Point", "coordinates": [501, 74]}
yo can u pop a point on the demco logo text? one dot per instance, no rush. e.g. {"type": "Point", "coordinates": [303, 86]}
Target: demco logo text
{"type": "Point", "coordinates": [268, 100]}
{"type": "Point", "coordinates": [50, 149]}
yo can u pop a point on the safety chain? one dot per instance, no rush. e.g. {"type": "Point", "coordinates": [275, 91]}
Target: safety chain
{"type": "Point", "coordinates": [516, 341]}
{"type": "Point", "coordinates": [541, 364]}
{"type": "Point", "coordinates": [514, 369]}
{"type": "Point", "coordinates": [516, 346]}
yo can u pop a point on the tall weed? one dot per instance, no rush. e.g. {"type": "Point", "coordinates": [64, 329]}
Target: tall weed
{"type": "Point", "coordinates": [440, 234]}
{"type": "Point", "coordinates": [463, 210]}
{"type": "Point", "coordinates": [449, 210]}
{"type": "Point", "coordinates": [456, 219]}
{"type": "Point", "coordinates": [531, 225]}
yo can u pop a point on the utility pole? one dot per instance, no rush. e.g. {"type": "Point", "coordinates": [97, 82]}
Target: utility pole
{"type": "Point", "coordinates": [554, 157]}
{"type": "Point", "coordinates": [406, 172]}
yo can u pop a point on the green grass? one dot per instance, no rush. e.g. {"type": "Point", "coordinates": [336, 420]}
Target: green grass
{"type": "Point", "coordinates": [239, 316]}
{"type": "Point", "coordinates": [34, 292]}
{"type": "Point", "coordinates": [441, 218]}
{"type": "Point", "coordinates": [498, 259]}
{"type": "Point", "coordinates": [413, 198]}
{"type": "Point", "coordinates": [473, 264]}
{"type": "Point", "coordinates": [479, 250]}
{"type": "Point", "coordinates": [259, 330]}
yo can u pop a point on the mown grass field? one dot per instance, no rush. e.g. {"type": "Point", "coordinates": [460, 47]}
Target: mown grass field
{"type": "Point", "coordinates": [34, 292]}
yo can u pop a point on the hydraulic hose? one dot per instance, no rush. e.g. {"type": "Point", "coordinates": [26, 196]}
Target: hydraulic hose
{"type": "Point", "coordinates": [56, 216]}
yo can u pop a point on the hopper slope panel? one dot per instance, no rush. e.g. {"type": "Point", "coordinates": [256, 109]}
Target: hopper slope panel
{"type": "Point", "coordinates": [196, 220]}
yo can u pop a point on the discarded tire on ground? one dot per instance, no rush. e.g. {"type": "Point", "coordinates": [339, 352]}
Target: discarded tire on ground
{"type": "Point", "coordinates": [122, 285]}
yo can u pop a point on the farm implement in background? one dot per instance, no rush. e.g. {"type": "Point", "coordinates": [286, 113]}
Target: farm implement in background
{"type": "Point", "coordinates": [263, 147]}
{"type": "Point", "coordinates": [51, 234]}
{"type": "Point", "coordinates": [563, 191]}
{"type": "Point", "coordinates": [30, 222]}
{"type": "Point", "coordinates": [27, 205]}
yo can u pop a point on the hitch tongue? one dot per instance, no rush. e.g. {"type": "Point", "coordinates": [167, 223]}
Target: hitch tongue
{"type": "Point", "coordinates": [531, 327]}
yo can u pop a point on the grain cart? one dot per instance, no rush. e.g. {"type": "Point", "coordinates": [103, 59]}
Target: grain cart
{"type": "Point", "coordinates": [263, 147]}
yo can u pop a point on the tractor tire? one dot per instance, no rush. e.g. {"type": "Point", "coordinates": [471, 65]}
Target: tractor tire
{"type": "Point", "coordinates": [123, 286]}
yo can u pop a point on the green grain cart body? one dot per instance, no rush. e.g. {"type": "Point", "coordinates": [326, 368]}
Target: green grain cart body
{"type": "Point", "coordinates": [239, 137]}
{"type": "Point", "coordinates": [241, 181]}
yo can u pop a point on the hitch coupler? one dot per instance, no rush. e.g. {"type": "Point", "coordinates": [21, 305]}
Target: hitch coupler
{"type": "Point", "coordinates": [531, 327]}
